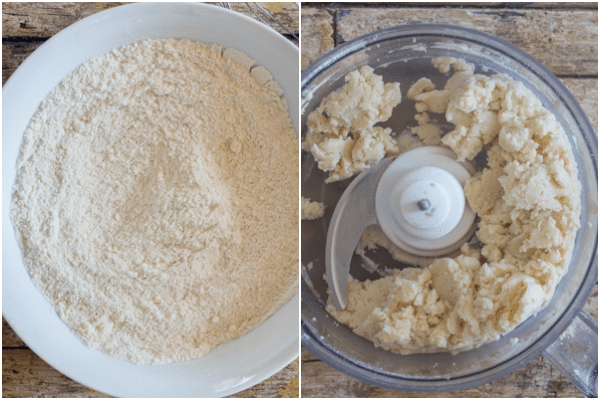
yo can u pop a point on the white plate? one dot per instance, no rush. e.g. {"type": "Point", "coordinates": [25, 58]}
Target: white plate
{"type": "Point", "coordinates": [227, 369]}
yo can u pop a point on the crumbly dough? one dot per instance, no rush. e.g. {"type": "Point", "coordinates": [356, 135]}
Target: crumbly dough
{"type": "Point", "coordinates": [341, 133]}
{"type": "Point", "coordinates": [311, 209]}
{"type": "Point", "coordinates": [429, 133]}
{"type": "Point", "coordinates": [156, 200]}
{"type": "Point", "coordinates": [528, 202]}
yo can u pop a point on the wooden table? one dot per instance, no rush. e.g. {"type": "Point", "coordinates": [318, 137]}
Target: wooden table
{"type": "Point", "coordinates": [563, 36]}
{"type": "Point", "coordinates": [25, 26]}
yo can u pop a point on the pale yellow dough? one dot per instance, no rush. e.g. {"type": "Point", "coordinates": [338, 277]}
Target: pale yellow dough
{"type": "Point", "coordinates": [528, 202]}
{"type": "Point", "coordinates": [311, 209]}
{"type": "Point", "coordinates": [341, 133]}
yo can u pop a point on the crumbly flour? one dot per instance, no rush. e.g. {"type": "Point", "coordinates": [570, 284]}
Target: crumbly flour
{"type": "Point", "coordinates": [156, 200]}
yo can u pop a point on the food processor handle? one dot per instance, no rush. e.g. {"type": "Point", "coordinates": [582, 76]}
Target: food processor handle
{"type": "Point", "coordinates": [575, 353]}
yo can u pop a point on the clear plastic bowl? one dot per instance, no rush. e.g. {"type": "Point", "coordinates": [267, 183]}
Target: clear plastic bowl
{"type": "Point", "coordinates": [404, 54]}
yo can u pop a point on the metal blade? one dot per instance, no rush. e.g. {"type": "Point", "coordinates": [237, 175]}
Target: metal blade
{"type": "Point", "coordinates": [354, 212]}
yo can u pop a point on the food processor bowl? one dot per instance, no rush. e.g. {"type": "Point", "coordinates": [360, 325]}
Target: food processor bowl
{"type": "Point", "coordinates": [403, 54]}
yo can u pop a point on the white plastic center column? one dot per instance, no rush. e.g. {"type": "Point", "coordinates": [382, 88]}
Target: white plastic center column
{"type": "Point", "coordinates": [420, 202]}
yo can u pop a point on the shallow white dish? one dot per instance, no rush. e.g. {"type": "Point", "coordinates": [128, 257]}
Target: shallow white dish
{"type": "Point", "coordinates": [227, 369]}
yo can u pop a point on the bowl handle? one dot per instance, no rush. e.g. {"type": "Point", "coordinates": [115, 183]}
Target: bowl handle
{"type": "Point", "coordinates": [575, 353]}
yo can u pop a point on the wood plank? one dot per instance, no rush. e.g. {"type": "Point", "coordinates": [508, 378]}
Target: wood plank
{"type": "Point", "coordinates": [565, 41]}
{"type": "Point", "coordinates": [585, 92]}
{"type": "Point", "coordinates": [317, 34]}
{"type": "Point", "coordinates": [287, 13]}
{"type": "Point", "coordinates": [536, 379]}
{"type": "Point", "coordinates": [9, 337]}
{"type": "Point", "coordinates": [44, 20]}
{"type": "Point", "coordinates": [525, 5]}
{"type": "Point", "coordinates": [25, 374]}
{"type": "Point", "coordinates": [14, 53]}
{"type": "Point", "coordinates": [317, 39]}
{"type": "Point", "coordinates": [25, 26]}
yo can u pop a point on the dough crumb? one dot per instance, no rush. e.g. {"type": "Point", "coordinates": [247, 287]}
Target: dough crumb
{"type": "Point", "coordinates": [428, 132]}
{"type": "Point", "coordinates": [311, 209]}
{"type": "Point", "coordinates": [239, 57]}
{"type": "Point", "coordinates": [342, 136]}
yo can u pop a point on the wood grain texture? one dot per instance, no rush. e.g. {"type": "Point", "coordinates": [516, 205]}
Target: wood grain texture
{"type": "Point", "coordinates": [536, 379]}
{"type": "Point", "coordinates": [14, 52]}
{"type": "Point", "coordinates": [561, 35]}
{"type": "Point", "coordinates": [10, 339]}
{"type": "Point", "coordinates": [43, 20]}
{"type": "Point", "coordinates": [317, 34]}
{"type": "Point", "coordinates": [26, 26]}
{"type": "Point", "coordinates": [565, 41]}
{"type": "Point", "coordinates": [585, 92]}
{"type": "Point", "coordinates": [487, 5]}
{"type": "Point", "coordinates": [287, 13]}
{"type": "Point", "coordinates": [25, 374]}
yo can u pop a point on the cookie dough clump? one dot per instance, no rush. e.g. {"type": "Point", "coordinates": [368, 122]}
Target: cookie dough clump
{"type": "Point", "coordinates": [341, 133]}
{"type": "Point", "coordinates": [528, 202]}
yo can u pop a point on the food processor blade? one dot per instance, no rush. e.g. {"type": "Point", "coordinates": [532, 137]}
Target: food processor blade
{"type": "Point", "coordinates": [417, 198]}
{"type": "Point", "coordinates": [354, 212]}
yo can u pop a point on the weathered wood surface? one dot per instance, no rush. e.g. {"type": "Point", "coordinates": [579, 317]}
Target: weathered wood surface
{"type": "Point", "coordinates": [317, 34]}
{"type": "Point", "coordinates": [25, 26]}
{"type": "Point", "coordinates": [563, 36]}
{"type": "Point", "coordinates": [537, 379]}
{"type": "Point", "coordinates": [43, 20]}
{"type": "Point", "coordinates": [564, 40]}
{"type": "Point", "coordinates": [489, 5]}
{"type": "Point", "coordinates": [24, 374]}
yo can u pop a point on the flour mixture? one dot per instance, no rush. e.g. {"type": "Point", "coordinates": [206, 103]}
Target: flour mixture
{"type": "Point", "coordinates": [527, 201]}
{"type": "Point", "coordinates": [156, 201]}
